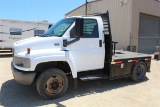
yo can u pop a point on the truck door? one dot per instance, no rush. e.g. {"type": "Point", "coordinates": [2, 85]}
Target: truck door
{"type": "Point", "coordinates": [88, 53]}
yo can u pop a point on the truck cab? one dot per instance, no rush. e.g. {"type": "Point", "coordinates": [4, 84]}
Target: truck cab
{"type": "Point", "coordinates": [81, 46]}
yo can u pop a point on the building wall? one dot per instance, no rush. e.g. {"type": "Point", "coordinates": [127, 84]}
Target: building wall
{"type": "Point", "coordinates": [120, 18]}
{"type": "Point", "coordinates": [150, 7]}
{"type": "Point", "coordinates": [94, 7]}
{"type": "Point", "coordinates": [98, 6]}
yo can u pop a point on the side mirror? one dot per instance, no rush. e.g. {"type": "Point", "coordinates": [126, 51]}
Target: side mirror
{"type": "Point", "coordinates": [50, 25]}
{"type": "Point", "coordinates": [79, 27]}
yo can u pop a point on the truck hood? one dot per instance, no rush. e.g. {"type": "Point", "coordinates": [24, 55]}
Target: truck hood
{"type": "Point", "coordinates": [36, 43]}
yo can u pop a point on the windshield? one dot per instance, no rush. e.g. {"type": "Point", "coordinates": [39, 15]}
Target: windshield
{"type": "Point", "coordinates": [59, 28]}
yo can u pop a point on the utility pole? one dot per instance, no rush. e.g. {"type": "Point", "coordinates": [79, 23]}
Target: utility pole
{"type": "Point", "coordinates": [86, 6]}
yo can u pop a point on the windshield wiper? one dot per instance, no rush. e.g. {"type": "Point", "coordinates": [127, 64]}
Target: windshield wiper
{"type": "Point", "coordinates": [49, 35]}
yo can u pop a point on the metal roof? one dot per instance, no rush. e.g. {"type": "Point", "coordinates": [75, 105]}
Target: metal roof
{"type": "Point", "coordinates": [82, 6]}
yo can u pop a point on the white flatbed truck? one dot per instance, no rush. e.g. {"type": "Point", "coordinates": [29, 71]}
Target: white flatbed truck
{"type": "Point", "coordinates": [81, 46]}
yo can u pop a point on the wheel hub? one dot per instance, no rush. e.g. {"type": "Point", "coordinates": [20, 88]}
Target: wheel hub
{"type": "Point", "coordinates": [54, 85]}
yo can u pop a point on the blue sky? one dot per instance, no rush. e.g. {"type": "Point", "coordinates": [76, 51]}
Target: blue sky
{"type": "Point", "coordinates": [36, 10]}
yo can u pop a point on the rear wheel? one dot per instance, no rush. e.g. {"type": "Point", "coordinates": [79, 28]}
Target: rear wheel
{"type": "Point", "coordinates": [139, 71]}
{"type": "Point", "coordinates": [52, 83]}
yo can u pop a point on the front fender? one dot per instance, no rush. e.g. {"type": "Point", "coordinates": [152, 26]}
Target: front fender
{"type": "Point", "coordinates": [71, 63]}
{"type": "Point", "coordinates": [53, 55]}
{"type": "Point", "coordinates": [41, 56]}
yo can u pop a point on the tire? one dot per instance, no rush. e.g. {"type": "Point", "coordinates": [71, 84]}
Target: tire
{"type": "Point", "coordinates": [139, 71]}
{"type": "Point", "coordinates": [52, 83]}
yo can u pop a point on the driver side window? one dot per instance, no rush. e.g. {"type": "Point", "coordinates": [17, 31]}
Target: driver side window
{"type": "Point", "coordinates": [90, 29]}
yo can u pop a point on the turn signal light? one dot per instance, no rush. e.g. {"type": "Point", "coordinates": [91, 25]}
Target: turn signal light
{"type": "Point", "coordinates": [28, 50]}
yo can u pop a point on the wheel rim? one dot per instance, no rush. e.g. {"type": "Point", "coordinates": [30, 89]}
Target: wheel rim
{"type": "Point", "coordinates": [54, 85]}
{"type": "Point", "coordinates": [140, 72]}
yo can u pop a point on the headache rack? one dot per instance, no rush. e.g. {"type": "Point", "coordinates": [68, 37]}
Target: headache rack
{"type": "Point", "coordinates": [110, 45]}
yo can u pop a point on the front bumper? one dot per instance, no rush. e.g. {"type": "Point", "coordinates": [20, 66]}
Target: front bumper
{"type": "Point", "coordinates": [23, 77]}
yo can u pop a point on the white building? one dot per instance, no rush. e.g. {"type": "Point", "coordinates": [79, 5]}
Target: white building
{"type": "Point", "coordinates": [15, 30]}
{"type": "Point", "coordinates": [134, 23]}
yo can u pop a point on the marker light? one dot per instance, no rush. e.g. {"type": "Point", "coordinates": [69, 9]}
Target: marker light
{"type": "Point", "coordinates": [28, 50]}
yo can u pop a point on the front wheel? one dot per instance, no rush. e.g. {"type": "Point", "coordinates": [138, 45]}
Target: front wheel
{"type": "Point", "coordinates": [52, 83]}
{"type": "Point", "coordinates": [139, 71]}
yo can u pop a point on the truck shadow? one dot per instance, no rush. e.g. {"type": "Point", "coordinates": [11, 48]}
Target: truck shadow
{"type": "Point", "coordinates": [13, 94]}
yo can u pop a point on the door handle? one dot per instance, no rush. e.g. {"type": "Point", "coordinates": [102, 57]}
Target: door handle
{"type": "Point", "coordinates": [100, 43]}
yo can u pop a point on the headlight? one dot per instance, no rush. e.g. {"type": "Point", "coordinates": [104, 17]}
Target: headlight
{"type": "Point", "coordinates": [26, 63]}
{"type": "Point", "coordinates": [22, 62]}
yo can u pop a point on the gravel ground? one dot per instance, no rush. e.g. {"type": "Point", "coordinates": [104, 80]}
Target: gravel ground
{"type": "Point", "coordinates": [99, 93]}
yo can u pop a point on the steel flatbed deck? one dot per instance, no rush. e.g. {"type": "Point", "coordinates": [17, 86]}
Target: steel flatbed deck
{"type": "Point", "coordinates": [126, 55]}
